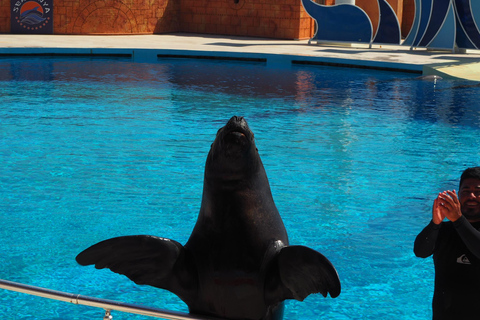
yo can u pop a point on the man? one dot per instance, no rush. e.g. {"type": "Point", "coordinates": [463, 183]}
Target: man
{"type": "Point", "coordinates": [455, 245]}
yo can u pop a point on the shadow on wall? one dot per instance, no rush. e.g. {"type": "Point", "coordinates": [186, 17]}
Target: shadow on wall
{"type": "Point", "coordinates": [168, 20]}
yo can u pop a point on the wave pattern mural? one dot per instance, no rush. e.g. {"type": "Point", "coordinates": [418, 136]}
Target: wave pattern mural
{"type": "Point", "coordinates": [349, 23]}
{"type": "Point", "coordinates": [438, 24]}
{"type": "Point", "coordinates": [445, 24]}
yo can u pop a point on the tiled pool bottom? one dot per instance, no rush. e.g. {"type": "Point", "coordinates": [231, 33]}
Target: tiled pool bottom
{"type": "Point", "coordinates": [92, 149]}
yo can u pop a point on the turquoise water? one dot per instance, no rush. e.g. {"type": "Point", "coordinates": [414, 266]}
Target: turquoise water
{"type": "Point", "coordinates": [93, 149]}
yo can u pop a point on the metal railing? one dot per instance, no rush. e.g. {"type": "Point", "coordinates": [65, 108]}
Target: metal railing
{"type": "Point", "coordinates": [105, 304]}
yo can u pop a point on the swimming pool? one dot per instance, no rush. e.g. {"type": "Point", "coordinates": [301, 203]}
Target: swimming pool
{"type": "Point", "coordinates": [96, 148]}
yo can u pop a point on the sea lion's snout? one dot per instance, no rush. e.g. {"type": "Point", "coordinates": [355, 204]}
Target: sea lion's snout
{"type": "Point", "coordinates": [236, 119]}
{"type": "Point", "coordinates": [233, 152]}
{"type": "Point", "coordinates": [238, 127]}
{"type": "Point", "coordinates": [237, 134]}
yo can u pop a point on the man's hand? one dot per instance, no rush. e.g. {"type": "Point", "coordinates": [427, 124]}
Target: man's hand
{"type": "Point", "coordinates": [438, 211]}
{"type": "Point", "coordinates": [449, 206]}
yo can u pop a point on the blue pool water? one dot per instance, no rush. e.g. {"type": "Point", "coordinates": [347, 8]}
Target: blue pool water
{"type": "Point", "coordinates": [93, 149]}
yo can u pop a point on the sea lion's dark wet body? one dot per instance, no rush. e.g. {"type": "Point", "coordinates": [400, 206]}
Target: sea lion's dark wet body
{"type": "Point", "coordinates": [237, 263]}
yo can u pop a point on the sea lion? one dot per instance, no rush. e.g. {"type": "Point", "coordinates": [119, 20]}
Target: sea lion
{"type": "Point", "coordinates": [237, 263]}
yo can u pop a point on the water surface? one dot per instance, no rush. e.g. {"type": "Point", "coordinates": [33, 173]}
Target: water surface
{"type": "Point", "coordinates": [93, 149]}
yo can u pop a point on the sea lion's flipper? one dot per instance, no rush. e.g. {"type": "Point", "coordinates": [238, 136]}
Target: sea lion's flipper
{"type": "Point", "coordinates": [154, 261]}
{"type": "Point", "coordinates": [296, 272]}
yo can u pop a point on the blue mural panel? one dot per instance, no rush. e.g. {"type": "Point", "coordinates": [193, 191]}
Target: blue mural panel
{"type": "Point", "coordinates": [439, 24]}
{"type": "Point", "coordinates": [475, 7]}
{"type": "Point", "coordinates": [462, 40]}
{"type": "Point", "coordinates": [469, 34]}
{"type": "Point", "coordinates": [412, 34]}
{"type": "Point", "coordinates": [426, 10]}
{"type": "Point", "coordinates": [339, 23]}
{"type": "Point", "coordinates": [388, 31]}
{"type": "Point", "coordinates": [444, 38]}
{"type": "Point", "coordinates": [437, 18]}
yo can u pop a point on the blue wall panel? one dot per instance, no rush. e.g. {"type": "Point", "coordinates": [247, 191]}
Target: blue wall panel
{"type": "Point", "coordinates": [439, 24]}
{"type": "Point", "coordinates": [465, 14]}
{"type": "Point", "coordinates": [444, 38]}
{"type": "Point", "coordinates": [437, 18]}
{"type": "Point", "coordinates": [424, 20]}
{"type": "Point", "coordinates": [344, 22]}
{"type": "Point", "coordinates": [414, 29]}
{"type": "Point", "coordinates": [462, 40]}
{"type": "Point", "coordinates": [388, 27]}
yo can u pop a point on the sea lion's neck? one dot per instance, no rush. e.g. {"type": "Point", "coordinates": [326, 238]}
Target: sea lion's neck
{"type": "Point", "coordinates": [239, 191]}
{"type": "Point", "coordinates": [231, 199]}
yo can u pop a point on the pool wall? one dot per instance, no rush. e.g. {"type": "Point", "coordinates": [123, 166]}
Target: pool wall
{"type": "Point", "coordinates": [278, 19]}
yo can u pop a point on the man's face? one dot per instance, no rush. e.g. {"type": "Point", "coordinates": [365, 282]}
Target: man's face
{"type": "Point", "coordinates": [469, 197]}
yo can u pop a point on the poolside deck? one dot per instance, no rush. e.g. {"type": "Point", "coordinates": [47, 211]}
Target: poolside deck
{"type": "Point", "coordinates": [274, 52]}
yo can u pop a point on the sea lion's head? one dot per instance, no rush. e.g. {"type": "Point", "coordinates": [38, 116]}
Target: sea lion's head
{"type": "Point", "coordinates": [233, 154]}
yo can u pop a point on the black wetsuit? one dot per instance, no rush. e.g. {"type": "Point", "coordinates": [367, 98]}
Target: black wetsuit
{"type": "Point", "coordinates": [456, 255]}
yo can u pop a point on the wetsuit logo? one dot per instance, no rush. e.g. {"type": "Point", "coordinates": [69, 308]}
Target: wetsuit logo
{"type": "Point", "coordinates": [463, 259]}
{"type": "Point", "coordinates": [34, 16]}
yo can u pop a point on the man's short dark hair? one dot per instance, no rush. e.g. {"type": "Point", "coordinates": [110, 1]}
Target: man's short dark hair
{"type": "Point", "coordinates": [470, 173]}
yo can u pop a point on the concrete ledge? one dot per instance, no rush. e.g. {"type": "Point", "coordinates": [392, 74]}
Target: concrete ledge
{"type": "Point", "coordinates": [275, 53]}
{"type": "Point", "coordinates": [467, 71]}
